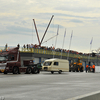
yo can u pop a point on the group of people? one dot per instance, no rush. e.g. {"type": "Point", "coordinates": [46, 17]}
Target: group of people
{"type": "Point", "coordinates": [53, 48]}
{"type": "Point", "coordinates": [90, 68]}
{"type": "Point", "coordinates": [28, 46]}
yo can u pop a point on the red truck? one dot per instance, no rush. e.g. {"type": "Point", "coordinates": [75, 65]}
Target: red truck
{"type": "Point", "coordinates": [10, 62]}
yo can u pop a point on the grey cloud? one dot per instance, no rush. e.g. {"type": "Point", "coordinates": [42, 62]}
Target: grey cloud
{"type": "Point", "coordinates": [64, 15]}
{"type": "Point", "coordinates": [51, 25]}
{"type": "Point", "coordinates": [76, 21]}
{"type": "Point", "coordinates": [18, 28]}
{"type": "Point", "coordinates": [74, 9]}
{"type": "Point", "coordinates": [21, 23]}
{"type": "Point", "coordinates": [11, 6]}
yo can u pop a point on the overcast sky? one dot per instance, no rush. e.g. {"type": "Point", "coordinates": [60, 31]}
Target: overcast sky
{"type": "Point", "coordinates": [81, 16]}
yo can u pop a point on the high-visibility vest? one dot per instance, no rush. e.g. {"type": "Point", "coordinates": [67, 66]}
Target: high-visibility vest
{"type": "Point", "coordinates": [87, 66]}
{"type": "Point", "coordinates": [93, 66]}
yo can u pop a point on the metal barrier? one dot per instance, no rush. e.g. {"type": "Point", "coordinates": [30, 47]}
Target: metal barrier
{"type": "Point", "coordinates": [51, 52]}
{"type": "Point", "coordinates": [55, 53]}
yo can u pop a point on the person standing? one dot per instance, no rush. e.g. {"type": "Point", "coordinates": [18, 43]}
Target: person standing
{"type": "Point", "coordinates": [91, 69]}
{"type": "Point", "coordinates": [6, 46]}
{"type": "Point", "coordinates": [87, 68]}
{"type": "Point", "coordinates": [93, 66]}
{"type": "Point", "coordinates": [27, 46]}
{"type": "Point", "coordinates": [18, 46]}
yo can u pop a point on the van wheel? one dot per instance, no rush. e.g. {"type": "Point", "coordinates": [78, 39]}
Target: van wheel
{"type": "Point", "coordinates": [15, 70]}
{"type": "Point", "coordinates": [52, 72]}
{"type": "Point", "coordinates": [59, 72]}
{"type": "Point", "coordinates": [28, 70]}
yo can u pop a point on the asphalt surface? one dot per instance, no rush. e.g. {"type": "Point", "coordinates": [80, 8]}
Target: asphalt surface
{"type": "Point", "coordinates": [47, 86]}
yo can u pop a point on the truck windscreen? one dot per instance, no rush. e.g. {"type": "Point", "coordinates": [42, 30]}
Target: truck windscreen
{"type": "Point", "coordinates": [3, 58]}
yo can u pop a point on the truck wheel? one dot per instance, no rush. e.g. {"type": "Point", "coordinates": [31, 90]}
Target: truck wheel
{"type": "Point", "coordinates": [5, 72]}
{"type": "Point", "coordinates": [52, 72]}
{"type": "Point", "coordinates": [28, 70]}
{"type": "Point", "coordinates": [59, 71]}
{"type": "Point", "coordinates": [35, 70]}
{"type": "Point", "coordinates": [15, 70]}
{"type": "Point", "coordinates": [77, 70]}
{"type": "Point", "coordinates": [38, 71]}
{"type": "Point", "coordinates": [73, 70]}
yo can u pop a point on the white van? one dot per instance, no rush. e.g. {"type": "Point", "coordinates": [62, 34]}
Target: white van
{"type": "Point", "coordinates": [56, 65]}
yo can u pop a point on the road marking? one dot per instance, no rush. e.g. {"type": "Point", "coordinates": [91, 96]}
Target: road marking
{"type": "Point", "coordinates": [82, 96]}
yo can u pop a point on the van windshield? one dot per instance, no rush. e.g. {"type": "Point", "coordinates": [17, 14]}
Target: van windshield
{"type": "Point", "coordinates": [47, 63]}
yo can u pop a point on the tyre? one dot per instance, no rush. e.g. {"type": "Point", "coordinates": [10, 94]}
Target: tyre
{"type": "Point", "coordinates": [77, 70]}
{"type": "Point", "coordinates": [38, 71]}
{"type": "Point", "coordinates": [73, 70]}
{"type": "Point", "coordinates": [69, 70]}
{"type": "Point", "coordinates": [35, 70]}
{"type": "Point", "coordinates": [15, 70]}
{"type": "Point", "coordinates": [52, 72]}
{"type": "Point", "coordinates": [81, 69]}
{"type": "Point", "coordinates": [28, 70]}
{"type": "Point", "coordinates": [59, 71]}
{"type": "Point", "coordinates": [5, 72]}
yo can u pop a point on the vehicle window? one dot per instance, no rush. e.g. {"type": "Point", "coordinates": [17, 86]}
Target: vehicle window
{"type": "Point", "coordinates": [11, 57]}
{"type": "Point", "coordinates": [3, 58]}
{"type": "Point", "coordinates": [80, 61]}
{"type": "Point", "coordinates": [56, 63]}
{"type": "Point", "coordinates": [76, 60]}
{"type": "Point", "coordinates": [47, 63]}
{"type": "Point", "coordinates": [39, 65]}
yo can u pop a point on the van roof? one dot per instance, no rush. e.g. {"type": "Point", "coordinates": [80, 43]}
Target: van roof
{"type": "Point", "coordinates": [56, 59]}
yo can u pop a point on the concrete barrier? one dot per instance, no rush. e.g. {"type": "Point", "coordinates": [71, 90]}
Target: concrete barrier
{"type": "Point", "coordinates": [97, 69]}
{"type": "Point", "coordinates": [89, 96]}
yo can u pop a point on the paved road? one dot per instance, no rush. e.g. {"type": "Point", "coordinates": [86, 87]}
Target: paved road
{"type": "Point", "coordinates": [47, 86]}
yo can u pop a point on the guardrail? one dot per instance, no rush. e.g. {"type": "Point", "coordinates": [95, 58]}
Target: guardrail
{"type": "Point", "coordinates": [55, 53]}
{"type": "Point", "coordinates": [52, 52]}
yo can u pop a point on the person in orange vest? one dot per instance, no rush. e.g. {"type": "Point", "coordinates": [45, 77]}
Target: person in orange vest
{"type": "Point", "coordinates": [93, 66]}
{"type": "Point", "coordinates": [90, 68]}
{"type": "Point", "coordinates": [87, 68]}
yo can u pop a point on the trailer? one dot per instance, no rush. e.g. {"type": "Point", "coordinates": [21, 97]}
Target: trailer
{"type": "Point", "coordinates": [56, 65]}
{"type": "Point", "coordinates": [10, 62]}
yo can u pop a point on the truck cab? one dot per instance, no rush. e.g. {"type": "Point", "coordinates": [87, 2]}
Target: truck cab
{"type": "Point", "coordinates": [9, 59]}
{"type": "Point", "coordinates": [10, 62]}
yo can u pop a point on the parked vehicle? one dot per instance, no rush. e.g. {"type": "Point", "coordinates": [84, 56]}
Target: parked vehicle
{"type": "Point", "coordinates": [10, 62]}
{"type": "Point", "coordinates": [56, 65]}
{"type": "Point", "coordinates": [76, 65]}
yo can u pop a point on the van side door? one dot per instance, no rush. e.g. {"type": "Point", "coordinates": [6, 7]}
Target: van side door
{"type": "Point", "coordinates": [55, 66]}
